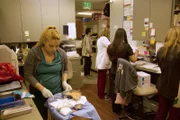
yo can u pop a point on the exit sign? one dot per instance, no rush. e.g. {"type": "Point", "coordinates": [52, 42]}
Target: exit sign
{"type": "Point", "coordinates": [87, 5]}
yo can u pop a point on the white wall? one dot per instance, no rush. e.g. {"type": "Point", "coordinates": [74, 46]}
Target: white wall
{"type": "Point", "coordinates": [116, 18]}
{"type": "Point", "coordinates": [66, 13]}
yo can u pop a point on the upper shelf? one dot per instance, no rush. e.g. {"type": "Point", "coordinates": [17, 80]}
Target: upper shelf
{"type": "Point", "coordinates": [177, 10]}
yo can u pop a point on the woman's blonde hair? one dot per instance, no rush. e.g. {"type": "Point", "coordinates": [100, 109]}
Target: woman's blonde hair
{"type": "Point", "coordinates": [50, 33]}
{"type": "Point", "coordinates": [104, 32]}
{"type": "Point", "coordinates": [172, 40]}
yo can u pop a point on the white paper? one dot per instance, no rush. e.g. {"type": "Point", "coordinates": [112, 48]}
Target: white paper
{"type": "Point", "coordinates": [153, 32]}
{"type": "Point", "coordinates": [131, 11]}
{"type": "Point", "coordinates": [127, 2]}
{"type": "Point", "coordinates": [126, 11]}
{"type": "Point", "coordinates": [60, 103]}
{"type": "Point", "coordinates": [71, 30]}
{"type": "Point", "coordinates": [134, 48]}
{"type": "Point", "coordinates": [150, 25]}
{"type": "Point", "coordinates": [149, 66]}
{"type": "Point", "coordinates": [127, 25]}
{"type": "Point", "coordinates": [146, 20]}
{"type": "Point", "coordinates": [131, 24]}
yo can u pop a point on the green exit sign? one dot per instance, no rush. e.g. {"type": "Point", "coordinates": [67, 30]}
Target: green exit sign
{"type": "Point", "coordinates": [87, 5]}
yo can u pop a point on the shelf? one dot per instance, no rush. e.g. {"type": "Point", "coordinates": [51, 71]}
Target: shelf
{"type": "Point", "coordinates": [177, 10]}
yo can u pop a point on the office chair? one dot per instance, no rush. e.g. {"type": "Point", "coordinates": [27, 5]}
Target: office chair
{"type": "Point", "coordinates": [127, 78]}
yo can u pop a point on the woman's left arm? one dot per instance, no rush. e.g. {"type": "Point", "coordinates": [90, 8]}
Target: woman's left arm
{"type": "Point", "coordinates": [66, 86]}
{"type": "Point", "coordinates": [64, 76]}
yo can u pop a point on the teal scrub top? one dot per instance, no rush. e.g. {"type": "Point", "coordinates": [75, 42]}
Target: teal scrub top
{"type": "Point", "coordinates": [49, 74]}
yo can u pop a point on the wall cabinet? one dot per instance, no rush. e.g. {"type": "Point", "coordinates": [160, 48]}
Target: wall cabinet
{"type": "Point", "coordinates": [10, 21]}
{"type": "Point", "coordinates": [18, 16]}
{"type": "Point", "coordinates": [31, 18]}
{"type": "Point", "coordinates": [50, 13]}
{"type": "Point", "coordinates": [159, 13]}
{"type": "Point", "coordinates": [140, 11]}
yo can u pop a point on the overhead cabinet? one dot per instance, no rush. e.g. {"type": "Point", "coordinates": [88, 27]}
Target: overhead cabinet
{"type": "Point", "coordinates": [18, 16]}
{"type": "Point", "coordinates": [31, 18]}
{"type": "Point", "coordinates": [50, 13]}
{"type": "Point", "coordinates": [10, 21]}
{"type": "Point", "coordinates": [159, 13]}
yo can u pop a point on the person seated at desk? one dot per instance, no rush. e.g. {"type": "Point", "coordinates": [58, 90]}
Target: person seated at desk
{"type": "Point", "coordinates": [46, 69]}
{"type": "Point", "coordinates": [119, 48]}
{"type": "Point", "coordinates": [168, 58]}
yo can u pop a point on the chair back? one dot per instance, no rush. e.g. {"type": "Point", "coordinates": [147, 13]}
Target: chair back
{"type": "Point", "coordinates": [126, 77]}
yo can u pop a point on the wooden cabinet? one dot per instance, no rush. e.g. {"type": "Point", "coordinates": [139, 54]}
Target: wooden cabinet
{"type": "Point", "coordinates": [140, 11]}
{"type": "Point", "coordinates": [50, 13]}
{"type": "Point", "coordinates": [158, 12]}
{"type": "Point", "coordinates": [160, 15]}
{"type": "Point", "coordinates": [10, 21]}
{"type": "Point", "coordinates": [31, 18]}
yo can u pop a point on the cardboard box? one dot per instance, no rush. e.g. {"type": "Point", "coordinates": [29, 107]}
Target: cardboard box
{"type": "Point", "coordinates": [144, 79]}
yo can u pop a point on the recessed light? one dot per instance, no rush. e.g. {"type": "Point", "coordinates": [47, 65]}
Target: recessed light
{"type": "Point", "coordinates": [84, 13]}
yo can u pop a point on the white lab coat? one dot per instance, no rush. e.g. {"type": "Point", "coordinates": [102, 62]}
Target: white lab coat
{"type": "Point", "coordinates": [102, 59]}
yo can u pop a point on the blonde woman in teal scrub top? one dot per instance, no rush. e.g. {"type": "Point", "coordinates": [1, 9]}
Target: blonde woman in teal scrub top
{"type": "Point", "coordinates": [45, 69]}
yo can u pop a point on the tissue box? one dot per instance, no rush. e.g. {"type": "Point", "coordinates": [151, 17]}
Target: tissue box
{"type": "Point", "coordinates": [144, 79]}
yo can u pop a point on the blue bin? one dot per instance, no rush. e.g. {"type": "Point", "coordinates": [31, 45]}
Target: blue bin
{"type": "Point", "coordinates": [6, 100]}
{"type": "Point", "coordinates": [9, 102]}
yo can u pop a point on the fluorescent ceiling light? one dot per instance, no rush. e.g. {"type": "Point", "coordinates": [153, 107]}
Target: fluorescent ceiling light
{"type": "Point", "coordinates": [84, 13]}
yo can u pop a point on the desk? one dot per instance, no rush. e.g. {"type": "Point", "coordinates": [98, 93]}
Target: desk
{"type": "Point", "coordinates": [34, 115]}
{"type": "Point", "coordinates": [147, 67]}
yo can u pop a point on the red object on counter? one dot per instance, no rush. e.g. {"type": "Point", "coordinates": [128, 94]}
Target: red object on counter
{"type": "Point", "coordinates": [8, 73]}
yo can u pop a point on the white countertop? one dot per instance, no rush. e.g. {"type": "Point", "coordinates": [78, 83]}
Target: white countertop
{"type": "Point", "coordinates": [147, 66]}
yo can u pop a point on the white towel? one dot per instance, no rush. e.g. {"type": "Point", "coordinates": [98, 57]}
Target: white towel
{"type": "Point", "coordinates": [60, 103]}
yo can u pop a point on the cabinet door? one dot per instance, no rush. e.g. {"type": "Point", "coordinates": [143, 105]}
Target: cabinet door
{"type": "Point", "coordinates": [160, 15]}
{"type": "Point", "coordinates": [50, 13]}
{"type": "Point", "coordinates": [31, 18]}
{"type": "Point", "coordinates": [10, 21]}
{"type": "Point", "coordinates": [140, 12]}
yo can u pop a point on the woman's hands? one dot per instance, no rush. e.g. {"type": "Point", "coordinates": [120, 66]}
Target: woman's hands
{"type": "Point", "coordinates": [46, 93]}
{"type": "Point", "coordinates": [66, 86]}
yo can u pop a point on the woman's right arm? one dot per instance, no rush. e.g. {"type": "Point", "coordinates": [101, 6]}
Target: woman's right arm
{"type": "Point", "coordinates": [134, 57]}
{"type": "Point", "coordinates": [29, 67]}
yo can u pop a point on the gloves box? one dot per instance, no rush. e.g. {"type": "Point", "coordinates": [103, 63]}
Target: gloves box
{"type": "Point", "coordinates": [144, 79]}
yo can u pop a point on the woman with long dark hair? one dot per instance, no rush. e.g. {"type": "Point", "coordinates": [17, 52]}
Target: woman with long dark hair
{"type": "Point", "coordinates": [119, 48]}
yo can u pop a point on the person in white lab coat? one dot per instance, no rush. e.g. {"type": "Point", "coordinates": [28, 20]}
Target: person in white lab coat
{"type": "Point", "coordinates": [102, 61]}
